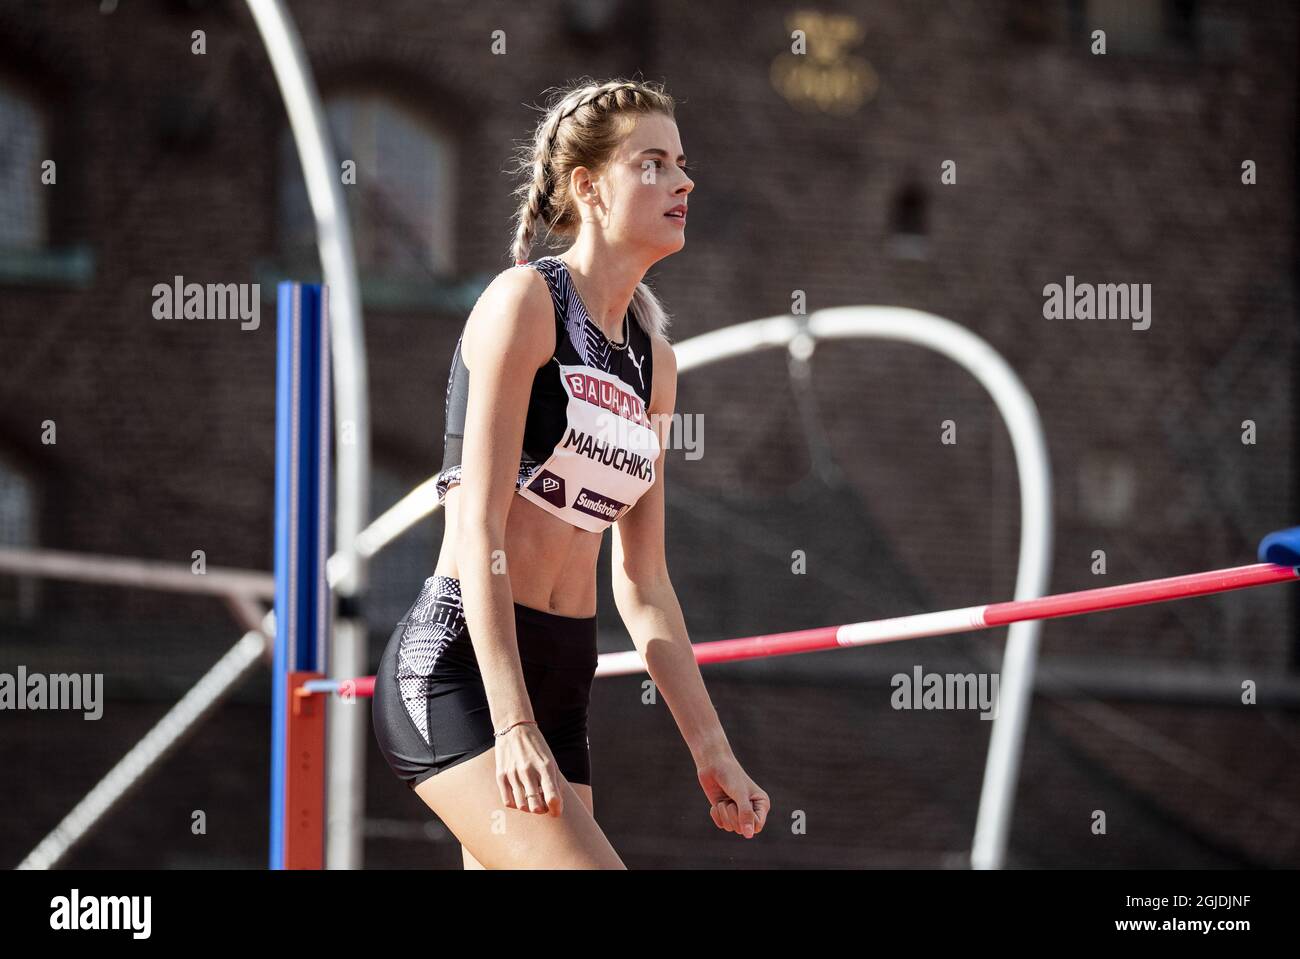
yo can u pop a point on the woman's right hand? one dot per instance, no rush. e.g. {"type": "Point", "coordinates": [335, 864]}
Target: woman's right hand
{"type": "Point", "coordinates": [527, 775]}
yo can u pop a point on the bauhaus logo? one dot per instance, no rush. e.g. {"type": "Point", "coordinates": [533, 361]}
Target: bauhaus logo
{"type": "Point", "coordinates": [608, 396]}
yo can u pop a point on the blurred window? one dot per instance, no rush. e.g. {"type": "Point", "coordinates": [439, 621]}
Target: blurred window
{"type": "Point", "coordinates": [401, 203]}
{"type": "Point", "coordinates": [22, 150]}
{"type": "Point", "coordinates": [908, 226]}
{"type": "Point", "coordinates": [17, 528]}
{"type": "Point", "coordinates": [1138, 26]}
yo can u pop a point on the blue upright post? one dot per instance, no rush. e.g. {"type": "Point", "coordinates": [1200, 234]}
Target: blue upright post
{"type": "Point", "coordinates": [302, 473]}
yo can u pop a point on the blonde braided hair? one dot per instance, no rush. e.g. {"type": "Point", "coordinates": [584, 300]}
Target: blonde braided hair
{"type": "Point", "coordinates": [582, 126]}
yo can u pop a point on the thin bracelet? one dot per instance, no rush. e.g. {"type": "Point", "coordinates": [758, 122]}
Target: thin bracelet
{"type": "Point", "coordinates": [513, 725]}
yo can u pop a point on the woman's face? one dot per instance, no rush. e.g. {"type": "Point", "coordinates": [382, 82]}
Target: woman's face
{"type": "Point", "coordinates": [643, 181]}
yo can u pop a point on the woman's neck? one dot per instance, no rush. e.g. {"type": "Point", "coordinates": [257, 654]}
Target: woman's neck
{"type": "Point", "coordinates": [606, 284]}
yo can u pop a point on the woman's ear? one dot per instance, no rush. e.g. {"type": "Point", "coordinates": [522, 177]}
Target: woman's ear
{"type": "Point", "coordinates": [585, 186]}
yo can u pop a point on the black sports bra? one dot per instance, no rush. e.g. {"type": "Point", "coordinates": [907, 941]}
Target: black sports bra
{"type": "Point", "coordinates": [589, 448]}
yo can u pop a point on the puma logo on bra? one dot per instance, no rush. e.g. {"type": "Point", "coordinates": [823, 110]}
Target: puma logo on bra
{"type": "Point", "coordinates": [632, 357]}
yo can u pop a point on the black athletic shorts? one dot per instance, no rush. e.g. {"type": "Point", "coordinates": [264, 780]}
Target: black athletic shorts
{"type": "Point", "coordinates": [430, 710]}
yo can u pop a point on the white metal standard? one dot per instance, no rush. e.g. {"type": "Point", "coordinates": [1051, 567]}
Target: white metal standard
{"type": "Point", "coordinates": [1033, 571]}
{"type": "Point", "coordinates": [348, 728]}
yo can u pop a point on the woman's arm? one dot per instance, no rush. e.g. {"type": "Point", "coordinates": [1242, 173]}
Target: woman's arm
{"type": "Point", "coordinates": [648, 604]}
{"type": "Point", "coordinates": [508, 337]}
{"type": "Point", "coordinates": [645, 597]}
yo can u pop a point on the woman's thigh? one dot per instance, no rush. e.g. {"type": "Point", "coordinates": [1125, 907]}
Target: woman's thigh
{"type": "Point", "coordinates": [466, 798]}
{"type": "Point", "coordinates": [584, 793]}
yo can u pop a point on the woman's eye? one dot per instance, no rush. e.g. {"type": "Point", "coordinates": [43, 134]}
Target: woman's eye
{"type": "Point", "coordinates": [685, 167]}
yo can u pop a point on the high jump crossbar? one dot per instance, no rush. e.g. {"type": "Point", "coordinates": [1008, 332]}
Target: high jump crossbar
{"type": "Point", "coordinates": [919, 625]}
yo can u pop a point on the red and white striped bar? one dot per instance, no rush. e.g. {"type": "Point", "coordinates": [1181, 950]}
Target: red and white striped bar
{"type": "Point", "coordinates": [967, 619]}
{"type": "Point", "coordinates": [970, 618]}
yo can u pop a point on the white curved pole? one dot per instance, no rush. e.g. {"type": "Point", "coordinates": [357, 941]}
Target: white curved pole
{"type": "Point", "coordinates": [1013, 401]}
{"type": "Point", "coordinates": [347, 656]}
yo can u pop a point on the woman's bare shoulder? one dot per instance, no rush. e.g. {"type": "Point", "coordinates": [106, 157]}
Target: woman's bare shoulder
{"type": "Point", "coordinates": [513, 313]}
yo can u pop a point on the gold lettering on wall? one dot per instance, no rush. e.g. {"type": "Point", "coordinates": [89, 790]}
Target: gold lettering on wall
{"type": "Point", "coordinates": [825, 78]}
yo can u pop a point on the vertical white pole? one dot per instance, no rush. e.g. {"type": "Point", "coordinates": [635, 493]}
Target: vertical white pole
{"type": "Point", "coordinates": [977, 357]}
{"type": "Point", "coordinates": [346, 724]}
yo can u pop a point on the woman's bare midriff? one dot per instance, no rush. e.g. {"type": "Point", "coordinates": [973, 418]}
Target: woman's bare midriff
{"type": "Point", "coordinates": [551, 564]}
